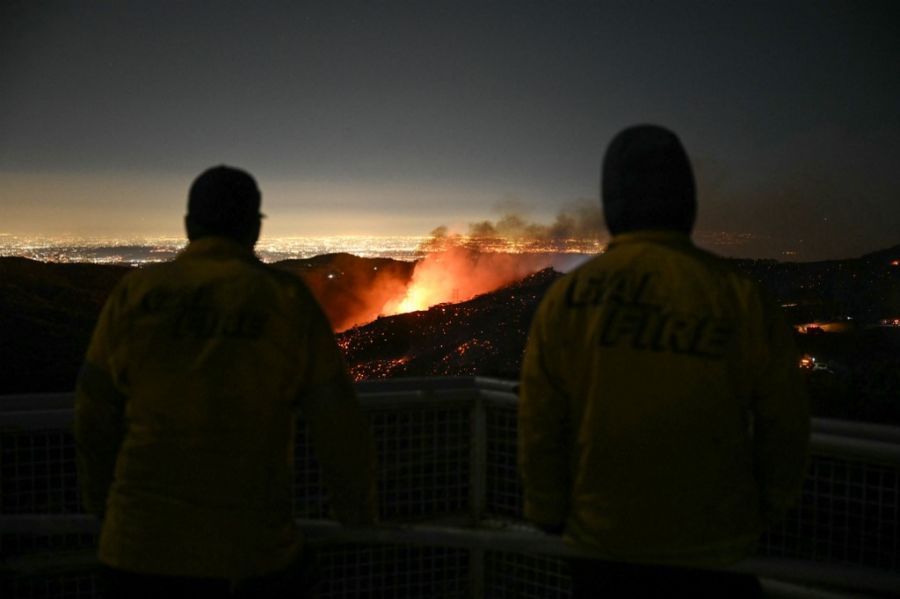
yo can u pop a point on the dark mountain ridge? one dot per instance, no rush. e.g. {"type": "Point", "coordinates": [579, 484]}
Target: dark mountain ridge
{"type": "Point", "coordinates": [866, 288]}
{"type": "Point", "coordinates": [47, 313]}
{"type": "Point", "coordinates": [48, 310]}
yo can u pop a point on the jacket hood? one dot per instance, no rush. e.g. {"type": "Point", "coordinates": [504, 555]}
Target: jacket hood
{"type": "Point", "coordinates": [647, 182]}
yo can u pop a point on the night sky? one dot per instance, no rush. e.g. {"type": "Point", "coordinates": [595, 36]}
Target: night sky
{"type": "Point", "coordinates": [395, 118]}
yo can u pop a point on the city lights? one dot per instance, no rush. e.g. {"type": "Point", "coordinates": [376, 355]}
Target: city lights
{"type": "Point", "coordinates": [146, 250]}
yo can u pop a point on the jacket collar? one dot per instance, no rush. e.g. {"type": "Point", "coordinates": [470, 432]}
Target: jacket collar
{"type": "Point", "coordinates": [663, 237]}
{"type": "Point", "coordinates": [217, 247]}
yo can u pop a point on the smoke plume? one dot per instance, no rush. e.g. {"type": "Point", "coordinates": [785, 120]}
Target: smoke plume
{"type": "Point", "coordinates": [493, 254]}
{"type": "Point", "coordinates": [578, 224]}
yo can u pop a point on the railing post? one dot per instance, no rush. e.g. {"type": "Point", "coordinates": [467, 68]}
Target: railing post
{"type": "Point", "coordinates": [476, 573]}
{"type": "Point", "coordinates": [478, 467]}
{"type": "Point", "coordinates": [477, 492]}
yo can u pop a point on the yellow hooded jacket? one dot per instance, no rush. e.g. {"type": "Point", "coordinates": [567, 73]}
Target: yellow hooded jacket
{"type": "Point", "coordinates": [662, 415]}
{"type": "Point", "coordinates": [185, 416]}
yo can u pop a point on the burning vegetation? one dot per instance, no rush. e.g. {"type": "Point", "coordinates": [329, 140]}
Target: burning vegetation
{"type": "Point", "coordinates": [453, 268]}
{"type": "Point", "coordinates": [354, 291]}
{"type": "Point", "coordinates": [459, 273]}
{"type": "Point", "coordinates": [484, 336]}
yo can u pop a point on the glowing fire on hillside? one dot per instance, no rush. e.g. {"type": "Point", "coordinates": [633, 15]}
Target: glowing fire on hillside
{"type": "Point", "coordinates": [493, 254]}
{"type": "Point", "coordinates": [455, 268]}
{"type": "Point", "coordinates": [352, 296]}
{"type": "Point", "coordinates": [457, 274]}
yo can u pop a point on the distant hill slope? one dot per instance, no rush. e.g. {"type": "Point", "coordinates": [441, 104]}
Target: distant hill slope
{"type": "Point", "coordinates": [866, 288]}
{"type": "Point", "coordinates": [351, 290]}
{"type": "Point", "coordinates": [48, 310]}
{"type": "Point", "coordinates": [47, 314]}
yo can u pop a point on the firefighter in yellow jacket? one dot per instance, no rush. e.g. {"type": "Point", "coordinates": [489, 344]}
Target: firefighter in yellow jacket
{"type": "Point", "coordinates": [185, 413]}
{"type": "Point", "coordinates": [662, 419]}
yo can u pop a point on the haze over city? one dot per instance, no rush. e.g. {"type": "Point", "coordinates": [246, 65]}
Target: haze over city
{"type": "Point", "coordinates": [392, 119]}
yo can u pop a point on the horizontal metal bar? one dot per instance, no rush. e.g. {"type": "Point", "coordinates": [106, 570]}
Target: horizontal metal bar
{"type": "Point", "coordinates": [415, 400]}
{"type": "Point", "coordinates": [49, 524]}
{"type": "Point", "coordinates": [820, 444]}
{"type": "Point", "coordinates": [415, 389]}
{"type": "Point", "coordinates": [520, 539]}
{"type": "Point", "coordinates": [37, 420]}
{"type": "Point", "coordinates": [434, 383]}
{"type": "Point", "coordinates": [499, 399]}
{"type": "Point", "coordinates": [852, 448]}
{"type": "Point", "coordinates": [860, 430]}
{"type": "Point", "coordinates": [37, 401]}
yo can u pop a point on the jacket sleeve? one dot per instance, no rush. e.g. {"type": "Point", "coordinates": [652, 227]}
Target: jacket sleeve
{"type": "Point", "coordinates": [340, 433]}
{"type": "Point", "coordinates": [99, 412]}
{"type": "Point", "coordinates": [781, 420]}
{"type": "Point", "coordinates": [544, 432]}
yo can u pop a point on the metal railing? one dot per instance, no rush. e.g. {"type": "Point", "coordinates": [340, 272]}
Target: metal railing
{"type": "Point", "coordinates": [450, 501]}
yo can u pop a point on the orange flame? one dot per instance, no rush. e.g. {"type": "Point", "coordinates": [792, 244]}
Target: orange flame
{"type": "Point", "coordinates": [457, 274]}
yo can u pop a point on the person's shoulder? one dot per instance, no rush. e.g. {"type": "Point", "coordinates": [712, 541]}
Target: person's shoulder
{"type": "Point", "coordinates": [721, 265]}
{"type": "Point", "coordinates": [279, 275]}
{"type": "Point", "coordinates": [749, 291]}
{"type": "Point", "coordinates": [287, 281]}
{"type": "Point", "coordinates": [142, 276]}
{"type": "Point", "coordinates": [126, 294]}
{"type": "Point", "coordinates": [151, 271]}
{"type": "Point", "coordinates": [558, 289]}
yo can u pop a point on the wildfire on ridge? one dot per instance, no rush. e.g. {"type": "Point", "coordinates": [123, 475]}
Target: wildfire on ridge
{"type": "Point", "coordinates": [353, 291]}
{"type": "Point", "coordinates": [455, 268]}
{"type": "Point", "coordinates": [458, 273]}
{"type": "Point", "coordinates": [493, 254]}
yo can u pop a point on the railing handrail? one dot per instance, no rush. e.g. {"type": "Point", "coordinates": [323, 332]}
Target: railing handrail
{"type": "Point", "coordinates": [413, 386]}
{"type": "Point", "coordinates": [830, 436]}
{"type": "Point", "coordinates": [518, 539]}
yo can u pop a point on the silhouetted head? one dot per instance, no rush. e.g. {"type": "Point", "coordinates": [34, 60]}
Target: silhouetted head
{"type": "Point", "coordinates": [224, 201]}
{"type": "Point", "coordinates": [647, 182]}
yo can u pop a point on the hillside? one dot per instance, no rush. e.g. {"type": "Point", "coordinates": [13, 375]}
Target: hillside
{"type": "Point", "coordinates": [47, 312]}
{"type": "Point", "coordinates": [483, 336]}
{"type": "Point", "coordinates": [865, 288]}
{"type": "Point", "coordinates": [351, 290]}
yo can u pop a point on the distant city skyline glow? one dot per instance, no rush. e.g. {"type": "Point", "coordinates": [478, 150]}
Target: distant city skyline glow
{"type": "Point", "coordinates": [389, 119]}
